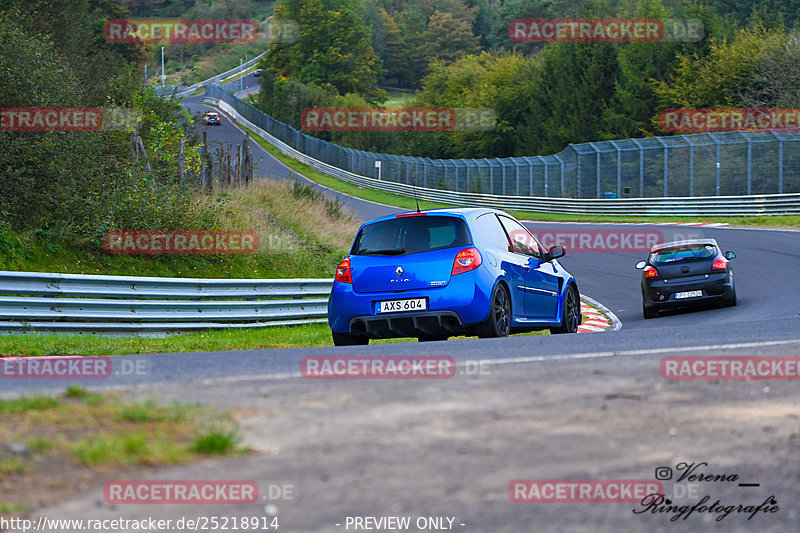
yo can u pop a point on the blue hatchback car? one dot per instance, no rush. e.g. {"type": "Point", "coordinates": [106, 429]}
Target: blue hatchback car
{"type": "Point", "coordinates": [446, 272]}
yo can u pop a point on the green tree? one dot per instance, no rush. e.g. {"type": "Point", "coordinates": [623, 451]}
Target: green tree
{"type": "Point", "coordinates": [775, 81]}
{"type": "Point", "coordinates": [498, 82]}
{"type": "Point", "coordinates": [285, 98]}
{"type": "Point", "coordinates": [81, 182]}
{"type": "Point", "coordinates": [642, 65]}
{"type": "Point", "coordinates": [447, 38]}
{"type": "Point", "coordinates": [333, 47]}
{"type": "Point", "coordinates": [521, 9]}
{"type": "Point", "coordinates": [574, 88]}
{"type": "Point", "coordinates": [718, 78]}
{"type": "Point", "coordinates": [395, 56]}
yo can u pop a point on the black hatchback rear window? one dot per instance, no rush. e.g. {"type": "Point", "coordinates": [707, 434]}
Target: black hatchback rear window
{"type": "Point", "coordinates": [683, 252]}
{"type": "Point", "coordinates": [411, 235]}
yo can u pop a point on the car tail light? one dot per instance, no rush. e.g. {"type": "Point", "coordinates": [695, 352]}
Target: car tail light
{"type": "Point", "coordinates": [406, 215]}
{"type": "Point", "coordinates": [343, 272]}
{"type": "Point", "coordinates": [650, 272]}
{"type": "Point", "coordinates": [720, 264]}
{"type": "Point", "coordinates": [466, 260]}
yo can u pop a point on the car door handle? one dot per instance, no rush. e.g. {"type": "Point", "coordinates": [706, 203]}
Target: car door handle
{"type": "Point", "coordinates": [526, 267]}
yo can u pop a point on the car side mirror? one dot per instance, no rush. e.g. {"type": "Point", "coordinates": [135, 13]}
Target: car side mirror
{"type": "Point", "coordinates": [729, 255]}
{"type": "Point", "coordinates": [641, 264]}
{"type": "Point", "coordinates": [555, 252]}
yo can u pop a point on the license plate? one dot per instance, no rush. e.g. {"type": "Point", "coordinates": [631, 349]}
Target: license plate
{"type": "Point", "coordinates": [688, 294]}
{"type": "Point", "coordinates": [395, 306]}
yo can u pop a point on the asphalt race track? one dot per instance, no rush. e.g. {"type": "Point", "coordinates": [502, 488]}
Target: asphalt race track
{"type": "Point", "coordinates": [575, 407]}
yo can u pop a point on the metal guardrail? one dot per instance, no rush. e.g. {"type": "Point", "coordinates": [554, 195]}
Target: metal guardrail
{"type": "Point", "coordinates": [695, 206]}
{"type": "Point", "coordinates": [41, 302]}
{"type": "Point", "coordinates": [216, 80]}
{"type": "Point", "coordinates": [34, 301]}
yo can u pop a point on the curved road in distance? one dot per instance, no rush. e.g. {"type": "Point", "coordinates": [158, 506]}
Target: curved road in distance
{"type": "Point", "coordinates": [266, 166]}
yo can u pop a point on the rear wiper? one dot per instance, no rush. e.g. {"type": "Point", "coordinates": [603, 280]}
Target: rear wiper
{"type": "Point", "coordinates": [392, 251]}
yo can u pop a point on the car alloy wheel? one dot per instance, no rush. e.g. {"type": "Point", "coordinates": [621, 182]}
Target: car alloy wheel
{"type": "Point", "coordinates": [498, 323]}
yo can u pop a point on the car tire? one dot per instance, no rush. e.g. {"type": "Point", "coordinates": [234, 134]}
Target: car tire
{"type": "Point", "coordinates": [571, 315]}
{"type": "Point", "coordinates": [498, 323]}
{"type": "Point", "coordinates": [731, 302]}
{"type": "Point", "coordinates": [346, 339]}
{"type": "Point", "coordinates": [648, 312]}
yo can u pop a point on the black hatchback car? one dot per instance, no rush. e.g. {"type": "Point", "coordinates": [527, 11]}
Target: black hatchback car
{"type": "Point", "coordinates": [684, 274]}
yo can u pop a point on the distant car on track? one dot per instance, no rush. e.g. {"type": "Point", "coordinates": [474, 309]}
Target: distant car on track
{"type": "Point", "coordinates": [257, 72]}
{"type": "Point", "coordinates": [686, 273]}
{"type": "Point", "coordinates": [212, 119]}
{"type": "Point", "coordinates": [446, 272]}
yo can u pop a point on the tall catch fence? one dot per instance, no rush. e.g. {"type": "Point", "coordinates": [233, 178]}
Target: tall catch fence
{"type": "Point", "coordinates": [703, 164]}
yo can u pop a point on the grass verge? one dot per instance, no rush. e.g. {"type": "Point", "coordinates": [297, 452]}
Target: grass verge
{"type": "Point", "coordinates": [94, 437]}
{"type": "Point", "coordinates": [302, 336]}
{"type": "Point", "coordinates": [336, 184]}
{"type": "Point", "coordinates": [290, 245]}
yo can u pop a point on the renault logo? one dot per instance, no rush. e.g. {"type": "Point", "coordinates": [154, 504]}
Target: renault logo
{"type": "Point", "coordinates": [399, 271]}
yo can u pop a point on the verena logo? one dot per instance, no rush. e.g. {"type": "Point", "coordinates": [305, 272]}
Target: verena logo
{"type": "Point", "coordinates": [686, 120]}
{"type": "Point", "coordinates": [376, 119]}
{"type": "Point", "coordinates": [67, 119]}
{"type": "Point", "coordinates": [176, 492]}
{"type": "Point", "coordinates": [162, 31]}
{"type": "Point", "coordinates": [593, 240]}
{"type": "Point", "coordinates": [582, 490]}
{"type": "Point", "coordinates": [180, 242]}
{"type": "Point", "coordinates": [377, 367]}
{"type": "Point", "coordinates": [730, 368]}
{"type": "Point", "coordinates": [67, 367]}
{"type": "Point", "coordinates": [605, 30]}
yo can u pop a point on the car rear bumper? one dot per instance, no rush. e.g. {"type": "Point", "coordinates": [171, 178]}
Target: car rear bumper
{"type": "Point", "coordinates": [463, 301]}
{"type": "Point", "coordinates": [391, 325]}
{"type": "Point", "coordinates": [659, 294]}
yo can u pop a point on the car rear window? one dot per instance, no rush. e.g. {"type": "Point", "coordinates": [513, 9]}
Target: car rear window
{"type": "Point", "coordinates": [683, 252]}
{"type": "Point", "coordinates": [411, 235]}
